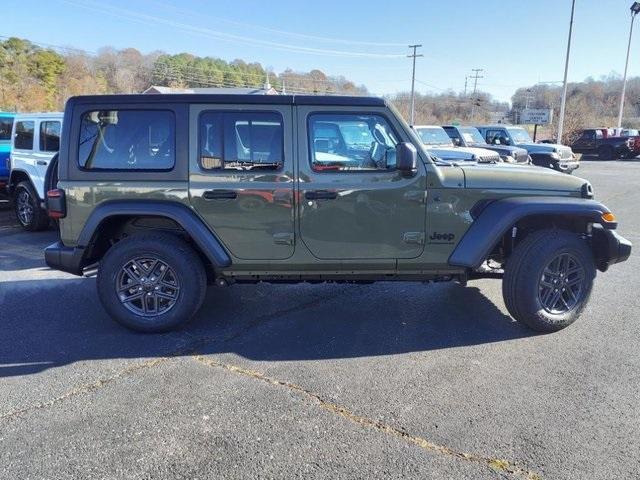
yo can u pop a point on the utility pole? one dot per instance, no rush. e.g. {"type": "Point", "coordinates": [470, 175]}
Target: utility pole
{"type": "Point", "coordinates": [414, 55]}
{"type": "Point", "coordinates": [566, 69]}
{"type": "Point", "coordinates": [466, 79]}
{"type": "Point", "coordinates": [635, 9]}
{"type": "Point", "coordinates": [475, 77]}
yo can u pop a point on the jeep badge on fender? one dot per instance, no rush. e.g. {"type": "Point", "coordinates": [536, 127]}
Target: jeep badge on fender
{"type": "Point", "coordinates": [441, 237]}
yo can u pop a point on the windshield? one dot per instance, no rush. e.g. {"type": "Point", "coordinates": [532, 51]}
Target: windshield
{"type": "Point", "coordinates": [433, 136]}
{"type": "Point", "coordinates": [5, 128]}
{"type": "Point", "coordinates": [471, 135]}
{"type": "Point", "coordinates": [519, 135]}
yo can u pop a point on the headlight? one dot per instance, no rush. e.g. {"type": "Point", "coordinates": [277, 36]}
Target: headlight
{"type": "Point", "coordinates": [508, 159]}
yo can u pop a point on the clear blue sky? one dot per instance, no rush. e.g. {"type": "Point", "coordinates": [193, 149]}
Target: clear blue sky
{"type": "Point", "coordinates": [517, 43]}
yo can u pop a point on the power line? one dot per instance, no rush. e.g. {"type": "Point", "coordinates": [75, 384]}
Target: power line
{"type": "Point", "coordinates": [219, 35]}
{"type": "Point", "coordinates": [199, 15]}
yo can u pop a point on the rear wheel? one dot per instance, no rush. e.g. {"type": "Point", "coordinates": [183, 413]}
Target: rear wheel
{"type": "Point", "coordinates": [605, 152]}
{"type": "Point", "coordinates": [548, 279]}
{"type": "Point", "coordinates": [26, 205]}
{"type": "Point", "coordinates": [151, 282]}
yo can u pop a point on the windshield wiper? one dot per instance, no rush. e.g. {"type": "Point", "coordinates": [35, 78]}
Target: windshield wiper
{"type": "Point", "coordinates": [241, 165]}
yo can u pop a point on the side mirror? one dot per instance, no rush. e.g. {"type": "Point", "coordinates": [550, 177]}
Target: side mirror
{"type": "Point", "coordinates": [457, 142]}
{"type": "Point", "coordinates": [407, 159]}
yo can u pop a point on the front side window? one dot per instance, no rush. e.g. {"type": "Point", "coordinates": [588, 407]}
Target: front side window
{"type": "Point", "coordinates": [24, 136]}
{"type": "Point", "coordinates": [241, 141]}
{"type": "Point", "coordinates": [346, 142]}
{"type": "Point", "coordinates": [6, 123]}
{"type": "Point", "coordinates": [127, 140]}
{"type": "Point", "coordinates": [497, 137]}
{"type": "Point", "coordinates": [50, 136]}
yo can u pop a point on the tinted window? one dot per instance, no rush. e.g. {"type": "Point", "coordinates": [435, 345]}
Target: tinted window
{"type": "Point", "coordinates": [241, 141]}
{"type": "Point", "coordinates": [24, 136]}
{"type": "Point", "coordinates": [344, 142]}
{"type": "Point", "coordinates": [50, 136]}
{"type": "Point", "coordinates": [127, 140]}
{"type": "Point", "coordinates": [5, 128]}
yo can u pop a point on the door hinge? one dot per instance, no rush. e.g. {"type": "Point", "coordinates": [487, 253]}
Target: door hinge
{"type": "Point", "coordinates": [283, 238]}
{"type": "Point", "coordinates": [414, 237]}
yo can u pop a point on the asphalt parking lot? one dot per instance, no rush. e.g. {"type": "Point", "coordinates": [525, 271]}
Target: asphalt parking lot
{"type": "Point", "coordinates": [321, 381]}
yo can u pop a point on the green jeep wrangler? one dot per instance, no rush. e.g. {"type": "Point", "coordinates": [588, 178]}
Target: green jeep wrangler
{"type": "Point", "coordinates": [165, 194]}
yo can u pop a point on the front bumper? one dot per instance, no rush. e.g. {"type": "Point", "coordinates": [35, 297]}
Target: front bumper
{"type": "Point", "coordinates": [67, 259]}
{"type": "Point", "coordinates": [567, 166]}
{"type": "Point", "coordinates": [609, 248]}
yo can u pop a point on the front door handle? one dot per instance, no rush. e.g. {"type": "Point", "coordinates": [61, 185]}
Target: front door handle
{"type": "Point", "coordinates": [220, 194]}
{"type": "Point", "coordinates": [42, 162]}
{"type": "Point", "coordinates": [320, 195]}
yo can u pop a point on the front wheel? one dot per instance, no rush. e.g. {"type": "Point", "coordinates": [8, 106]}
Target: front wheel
{"type": "Point", "coordinates": [548, 279]}
{"type": "Point", "coordinates": [151, 282]}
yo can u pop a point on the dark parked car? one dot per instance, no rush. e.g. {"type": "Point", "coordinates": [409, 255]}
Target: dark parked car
{"type": "Point", "coordinates": [471, 137]}
{"type": "Point", "coordinates": [555, 156]}
{"type": "Point", "coordinates": [596, 140]}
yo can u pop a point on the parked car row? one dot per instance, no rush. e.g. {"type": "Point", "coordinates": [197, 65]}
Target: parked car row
{"type": "Point", "coordinates": [493, 143]}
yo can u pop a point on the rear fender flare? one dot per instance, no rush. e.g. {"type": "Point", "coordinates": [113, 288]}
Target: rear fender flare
{"type": "Point", "coordinates": [179, 213]}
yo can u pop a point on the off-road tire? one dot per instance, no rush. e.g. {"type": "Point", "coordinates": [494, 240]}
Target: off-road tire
{"type": "Point", "coordinates": [521, 285]}
{"type": "Point", "coordinates": [606, 152]}
{"type": "Point", "coordinates": [38, 219]}
{"type": "Point", "coordinates": [177, 256]}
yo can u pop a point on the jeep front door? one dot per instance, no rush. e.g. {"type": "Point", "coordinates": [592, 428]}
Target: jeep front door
{"type": "Point", "coordinates": [354, 204]}
{"type": "Point", "coordinates": [241, 177]}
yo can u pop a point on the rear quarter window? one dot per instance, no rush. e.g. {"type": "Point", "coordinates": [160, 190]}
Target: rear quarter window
{"type": "Point", "coordinates": [24, 135]}
{"type": "Point", "coordinates": [127, 140]}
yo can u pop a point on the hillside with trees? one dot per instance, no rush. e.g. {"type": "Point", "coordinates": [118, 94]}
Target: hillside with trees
{"type": "Point", "coordinates": [36, 78]}
{"type": "Point", "coordinates": [592, 103]}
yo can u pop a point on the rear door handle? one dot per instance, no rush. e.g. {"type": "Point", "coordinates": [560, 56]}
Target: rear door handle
{"type": "Point", "coordinates": [42, 162]}
{"type": "Point", "coordinates": [320, 195]}
{"type": "Point", "coordinates": [220, 194]}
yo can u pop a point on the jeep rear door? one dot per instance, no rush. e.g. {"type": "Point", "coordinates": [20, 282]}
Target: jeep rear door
{"type": "Point", "coordinates": [241, 177]}
{"type": "Point", "coordinates": [354, 204]}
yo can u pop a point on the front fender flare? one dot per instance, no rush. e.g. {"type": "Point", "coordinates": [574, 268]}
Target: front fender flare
{"type": "Point", "coordinates": [500, 215]}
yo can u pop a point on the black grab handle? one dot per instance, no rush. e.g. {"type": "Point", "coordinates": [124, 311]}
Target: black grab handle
{"type": "Point", "coordinates": [220, 194]}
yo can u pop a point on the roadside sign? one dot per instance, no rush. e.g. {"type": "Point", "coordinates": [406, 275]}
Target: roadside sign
{"type": "Point", "coordinates": [536, 116]}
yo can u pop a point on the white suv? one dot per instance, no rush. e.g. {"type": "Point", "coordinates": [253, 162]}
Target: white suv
{"type": "Point", "coordinates": [35, 140]}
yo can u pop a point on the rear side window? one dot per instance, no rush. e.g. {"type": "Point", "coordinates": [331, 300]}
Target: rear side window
{"type": "Point", "coordinates": [5, 128]}
{"type": "Point", "coordinates": [127, 140]}
{"type": "Point", "coordinates": [50, 136]}
{"type": "Point", "coordinates": [24, 136]}
{"type": "Point", "coordinates": [241, 141]}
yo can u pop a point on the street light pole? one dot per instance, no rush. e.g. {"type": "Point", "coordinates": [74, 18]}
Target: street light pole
{"type": "Point", "coordinates": [413, 80]}
{"type": "Point", "coordinates": [635, 8]}
{"type": "Point", "coordinates": [566, 69]}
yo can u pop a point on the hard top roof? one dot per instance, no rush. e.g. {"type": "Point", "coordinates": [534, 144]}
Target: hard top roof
{"type": "Point", "coordinates": [40, 115]}
{"type": "Point", "coordinates": [337, 100]}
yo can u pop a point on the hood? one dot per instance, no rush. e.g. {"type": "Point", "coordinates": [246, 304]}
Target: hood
{"type": "Point", "coordinates": [504, 149]}
{"type": "Point", "coordinates": [463, 153]}
{"type": "Point", "coordinates": [509, 176]}
{"type": "Point", "coordinates": [564, 151]}
{"type": "Point", "coordinates": [480, 152]}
